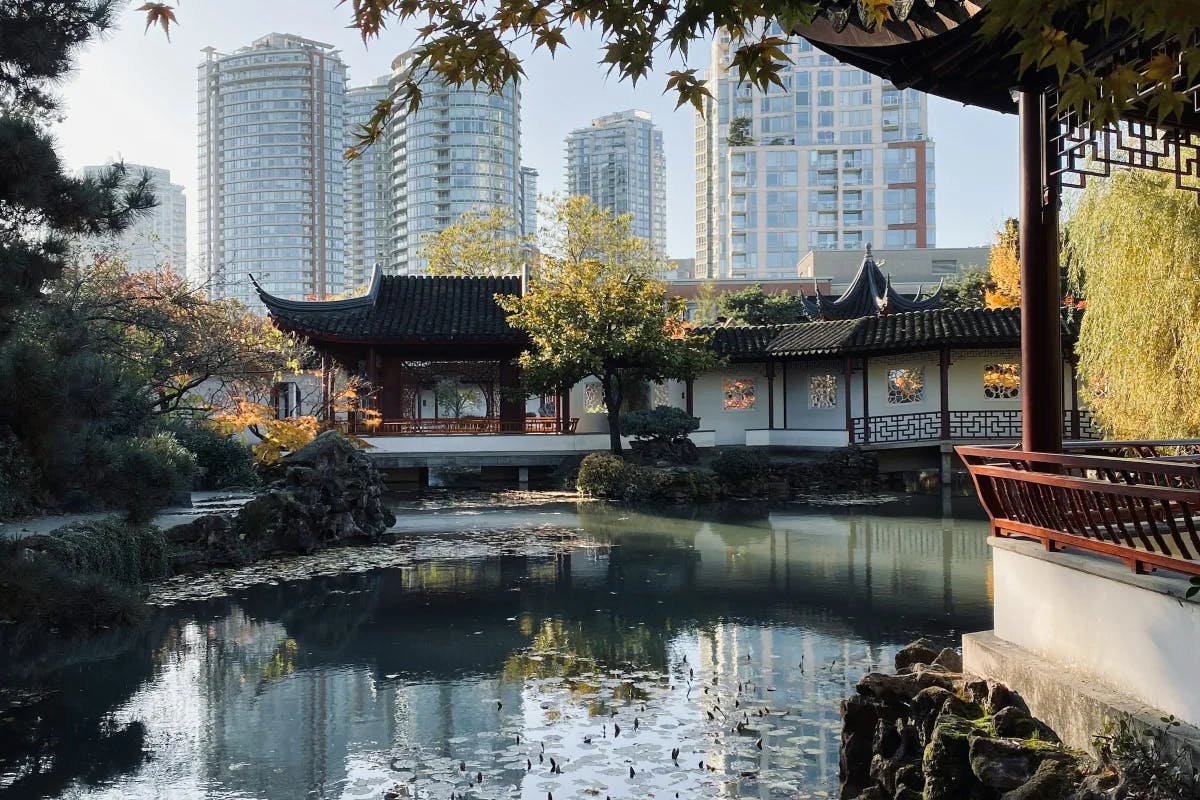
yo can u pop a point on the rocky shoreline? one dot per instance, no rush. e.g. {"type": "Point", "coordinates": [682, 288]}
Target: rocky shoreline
{"type": "Point", "coordinates": [932, 732]}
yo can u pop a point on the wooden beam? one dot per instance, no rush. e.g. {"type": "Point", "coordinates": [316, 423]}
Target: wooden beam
{"type": "Point", "coordinates": [1041, 335]}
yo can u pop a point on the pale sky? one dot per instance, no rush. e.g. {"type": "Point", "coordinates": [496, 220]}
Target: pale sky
{"type": "Point", "coordinates": [133, 96]}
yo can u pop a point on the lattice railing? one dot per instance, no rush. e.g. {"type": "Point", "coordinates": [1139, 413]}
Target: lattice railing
{"type": "Point", "coordinates": [985, 424]}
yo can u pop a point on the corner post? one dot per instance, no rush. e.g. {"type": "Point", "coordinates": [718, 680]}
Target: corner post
{"type": "Point", "coordinates": [1041, 334]}
{"type": "Point", "coordinates": [944, 386]}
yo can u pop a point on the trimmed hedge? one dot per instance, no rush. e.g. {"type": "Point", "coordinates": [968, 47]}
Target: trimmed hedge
{"type": "Point", "coordinates": [743, 471]}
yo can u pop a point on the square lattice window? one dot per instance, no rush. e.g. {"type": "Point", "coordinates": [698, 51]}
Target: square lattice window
{"type": "Point", "coordinates": [741, 394]}
{"type": "Point", "coordinates": [906, 386]}
{"type": "Point", "coordinates": [1002, 381]}
{"type": "Point", "coordinates": [822, 391]}
{"type": "Point", "coordinates": [593, 398]}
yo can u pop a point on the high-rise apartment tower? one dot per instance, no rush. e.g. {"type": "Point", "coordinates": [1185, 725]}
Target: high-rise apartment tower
{"type": "Point", "coordinates": [159, 237]}
{"type": "Point", "coordinates": [272, 169]}
{"type": "Point", "coordinates": [459, 151]}
{"type": "Point", "coordinates": [368, 190]}
{"type": "Point", "coordinates": [835, 159]}
{"type": "Point", "coordinates": [618, 162]}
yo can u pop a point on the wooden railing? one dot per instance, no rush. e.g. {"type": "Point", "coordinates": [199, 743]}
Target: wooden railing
{"type": "Point", "coordinates": [1144, 511]}
{"type": "Point", "coordinates": [448, 426]}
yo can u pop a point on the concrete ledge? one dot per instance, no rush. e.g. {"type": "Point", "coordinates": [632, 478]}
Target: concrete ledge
{"type": "Point", "coordinates": [1074, 705]}
{"type": "Point", "coordinates": [1093, 616]}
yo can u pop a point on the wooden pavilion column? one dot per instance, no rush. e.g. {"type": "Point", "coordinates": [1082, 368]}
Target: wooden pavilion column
{"type": "Point", "coordinates": [944, 385]}
{"type": "Point", "coordinates": [847, 378]}
{"type": "Point", "coordinates": [785, 400]}
{"type": "Point", "coordinates": [689, 406]}
{"type": "Point", "coordinates": [771, 395]}
{"type": "Point", "coordinates": [866, 402]}
{"type": "Point", "coordinates": [1041, 328]}
{"type": "Point", "coordinates": [564, 410]}
{"type": "Point", "coordinates": [512, 405]}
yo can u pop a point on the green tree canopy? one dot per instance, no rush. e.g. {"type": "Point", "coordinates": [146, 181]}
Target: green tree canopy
{"type": "Point", "coordinates": [1134, 245]}
{"type": "Point", "coordinates": [41, 206]}
{"type": "Point", "coordinates": [595, 309]}
{"type": "Point", "coordinates": [967, 290]}
{"type": "Point", "coordinates": [478, 243]}
{"type": "Point", "coordinates": [753, 306]}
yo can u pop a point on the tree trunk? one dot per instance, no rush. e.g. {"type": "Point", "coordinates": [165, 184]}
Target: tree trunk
{"type": "Point", "coordinates": [612, 404]}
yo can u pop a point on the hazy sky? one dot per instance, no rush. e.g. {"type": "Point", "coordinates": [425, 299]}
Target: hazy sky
{"type": "Point", "coordinates": [133, 96]}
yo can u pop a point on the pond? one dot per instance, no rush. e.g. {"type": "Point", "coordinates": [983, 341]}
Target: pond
{"type": "Point", "coordinates": [526, 651]}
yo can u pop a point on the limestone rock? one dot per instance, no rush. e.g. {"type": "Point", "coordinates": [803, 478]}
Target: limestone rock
{"type": "Point", "coordinates": [947, 762]}
{"type": "Point", "coordinates": [1014, 723]}
{"type": "Point", "coordinates": [950, 659]}
{"type": "Point", "coordinates": [922, 651]}
{"type": "Point", "coordinates": [1054, 779]}
{"type": "Point", "coordinates": [1002, 764]}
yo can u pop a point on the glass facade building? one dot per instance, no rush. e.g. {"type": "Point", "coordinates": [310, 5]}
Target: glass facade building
{"type": "Point", "coordinates": [368, 190]}
{"type": "Point", "coordinates": [159, 237]}
{"type": "Point", "coordinates": [272, 121]}
{"type": "Point", "coordinates": [460, 151]}
{"type": "Point", "coordinates": [529, 198]}
{"type": "Point", "coordinates": [620, 164]}
{"type": "Point", "coordinates": [834, 159]}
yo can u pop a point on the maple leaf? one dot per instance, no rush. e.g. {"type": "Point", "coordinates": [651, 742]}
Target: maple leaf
{"type": "Point", "coordinates": [159, 14]}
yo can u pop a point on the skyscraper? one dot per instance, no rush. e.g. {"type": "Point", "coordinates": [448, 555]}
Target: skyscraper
{"type": "Point", "coordinates": [835, 159]}
{"type": "Point", "coordinates": [529, 196]}
{"type": "Point", "coordinates": [158, 238]}
{"type": "Point", "coordinates": [459, 151]}
{"type": "Point", "coordinates": [271, 145]}
{"type": "Point", "coordinates": [619, 163]}
{"type": "Point", "coordinates": [368, 190]}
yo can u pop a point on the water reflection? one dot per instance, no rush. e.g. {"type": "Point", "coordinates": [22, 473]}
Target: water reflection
{"type": "Point", "coordinates": [348, 686]}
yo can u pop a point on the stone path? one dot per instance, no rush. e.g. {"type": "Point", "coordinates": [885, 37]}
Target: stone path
{"type": "Point", "coordinates": [202, 503]}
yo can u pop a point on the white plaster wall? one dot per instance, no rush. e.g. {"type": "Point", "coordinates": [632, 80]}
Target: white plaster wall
{"type": "Point", "coordinates": [797, 438]}
{"type": "Point", "coordinates": [966, 382]}
{"type": "Point", "coordinates": [500, 443]}
{"type": "Point", "coordinates": [1132, 633]}
{"type": "Point", "coordinates": [709, 404]}
{"type": "Point", "coordinates": [800, 415]}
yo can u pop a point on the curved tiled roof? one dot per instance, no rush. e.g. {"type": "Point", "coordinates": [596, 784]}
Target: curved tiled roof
{"type": "Point", "coordinates": [870, 292]}
{"type": "Point", "coordinates": [407, 308]}
{"type": "Point", "coordinates": [888, 333]}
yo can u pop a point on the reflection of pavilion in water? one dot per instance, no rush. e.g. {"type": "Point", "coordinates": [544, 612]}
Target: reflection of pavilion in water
{"type": "Point", "coordinates": [301, 687]}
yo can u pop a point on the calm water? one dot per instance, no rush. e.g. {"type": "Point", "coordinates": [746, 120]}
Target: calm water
{"type": "Point", "coordinates": [502, 639]}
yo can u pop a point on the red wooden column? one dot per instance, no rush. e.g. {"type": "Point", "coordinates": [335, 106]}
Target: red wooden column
{"type": "Point", "coordinates": [564, 410]}
{"type": "Point", "coordinates": [689, 405]}
{"type": "Point", "coordinates": [847, 376]}
{"type": "Point", "coordinates": [1041, 337]}
{"type": "Point", "coordinates": [866, 402]}
{"type": "Point", "coordinates": [512, 403]}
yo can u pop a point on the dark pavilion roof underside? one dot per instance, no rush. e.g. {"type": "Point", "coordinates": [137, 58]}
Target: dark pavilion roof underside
{"type": "Point", "coordinates": [890, 333]}
{"type": "Point", "coordinates": [408, 308]}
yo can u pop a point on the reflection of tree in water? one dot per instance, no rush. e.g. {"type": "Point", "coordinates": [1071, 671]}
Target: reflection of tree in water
{"type": "Point", "coordinates": [69, 737]}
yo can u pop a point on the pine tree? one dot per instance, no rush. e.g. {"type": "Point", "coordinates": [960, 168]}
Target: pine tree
{"type": "Point", "coordinates": [42, 206]}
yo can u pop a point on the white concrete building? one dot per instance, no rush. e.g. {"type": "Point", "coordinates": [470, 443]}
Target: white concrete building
{"type": "Point", "coordinates": [909, 270]}
{"type": "Point", "coordinates": [368, 190]}
{"type": "Point", "coordinates": [835, 159]}
{"type": "Point", "coordinates": [272, 169]}
{"type": "Point", "coordinates": [618, 161]}
{"type": "Point", "coordinates": [159, 237]}
{"type": "Point", "coordinates": [459, 152]}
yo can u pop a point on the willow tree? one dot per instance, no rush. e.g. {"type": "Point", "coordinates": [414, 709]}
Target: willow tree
{"type": "Point", "coordinates": [1134, 248]}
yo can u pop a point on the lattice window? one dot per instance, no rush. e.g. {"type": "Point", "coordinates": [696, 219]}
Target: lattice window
{"type": "Point", "coordinates": [660, 395]}
{"type": "Point", "coordinates": [822, 391]}
{"type": "Point", "coordinates": [1002, 381]}
{"type": "Point", "coordinates": [906, 385]}
{"type": "Point", "coordinates": [593, 398]}
{"type": "Point", "coordinates": [741, 394]}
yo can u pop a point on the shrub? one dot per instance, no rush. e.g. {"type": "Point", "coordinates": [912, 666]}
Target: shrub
{"type": "Point", "coordinates": [113, 549]}
{"type": "Point", "coordinates": [39, 593]}
{"type": "Point", "coordinates": [743, 471]}
{"type": "Point", "coordinates": [662, 433]}
{"type": "Point", "coordinates": [19, 478]}
{"type": "Point", "coordinates": [664, 422]}
{"type": "Point", "coordinates": [147, 473]}
{"type": "Point", "coordinates": [223, 462]}
{"type": "Point", "coordinates": [603, 475]}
